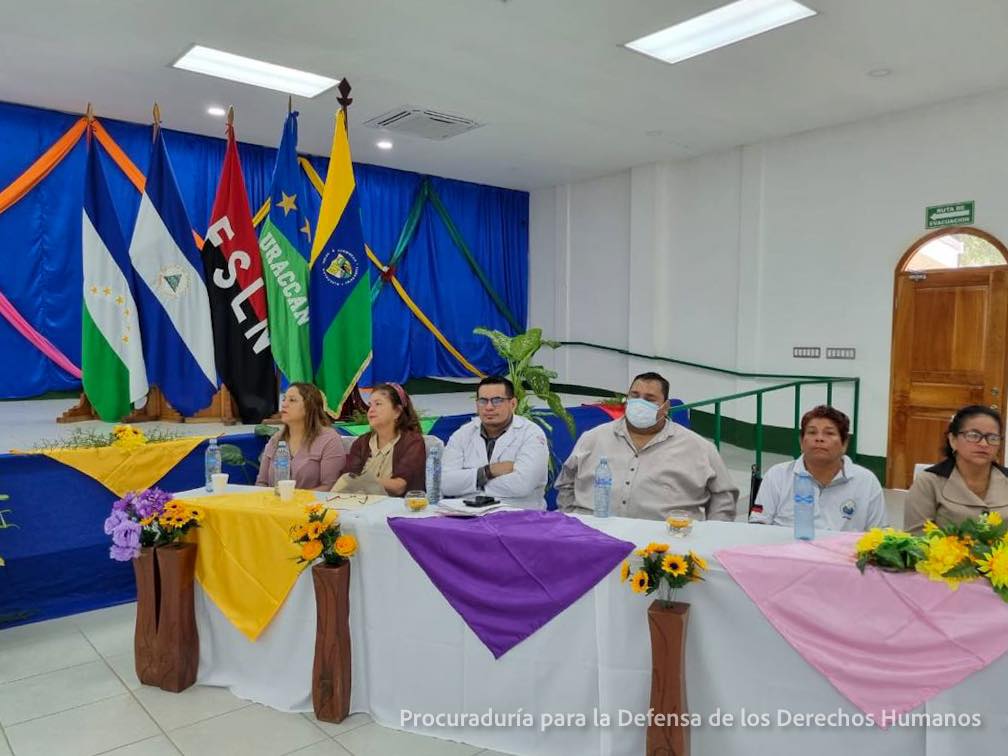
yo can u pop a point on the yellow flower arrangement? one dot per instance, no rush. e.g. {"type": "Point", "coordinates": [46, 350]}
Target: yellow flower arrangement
{"type": "Point", "coordinates": [321, 537]}
{"type": "Point", "coordinates": [698, 560]}
{"type": "Point", "coordinates": [127, 437]}
{"type": "Point", "coordinates": [870, 541]}
{"type": "Point", "coordinates": [953, 554]}
{"type": "Point", "coordinates": [994, 566]}
{"type": "Point", "coordinates": [176, 519]}
{"type": "Point", "coordinates": [660, 569]}
{"type": "Point", "coordinates": [640, 582]}
{"type": "Point", "coordinates": [311, 550]}
{"type": "Point", "coordinates": [674, 564]}
{"type": "Point", "coordinates": [947, 559]}
{"type": "Point", "coordinates": [345, 545]}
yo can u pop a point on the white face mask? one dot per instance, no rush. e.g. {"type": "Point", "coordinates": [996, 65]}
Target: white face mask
{"type": "Point", "coordinates": [641, 413]}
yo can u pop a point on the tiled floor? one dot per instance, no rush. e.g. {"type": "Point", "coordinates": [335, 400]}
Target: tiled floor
{"type": "Point", "coordinates": [67, 688]}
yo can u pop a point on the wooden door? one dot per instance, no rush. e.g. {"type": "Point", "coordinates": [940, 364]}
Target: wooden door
{"type": "Point", "coordinates": [948, 351]}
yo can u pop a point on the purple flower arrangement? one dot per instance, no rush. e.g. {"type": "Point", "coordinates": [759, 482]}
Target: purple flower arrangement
{"type": "Point", "coordinates": [133, 522]}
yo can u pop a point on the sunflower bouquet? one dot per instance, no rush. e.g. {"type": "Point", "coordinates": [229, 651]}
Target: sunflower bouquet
{"type": "Point", "coordinates": [321, 536]}
{"type": "Point", "coordinates": [661, 570]}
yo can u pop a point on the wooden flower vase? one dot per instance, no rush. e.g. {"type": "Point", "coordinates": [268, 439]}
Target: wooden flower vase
{"type": "Point", "coordinates": [165, 643]}
{"type": "Point", "coordinates": [667, 623]}
{"type": "Point", "coordinates": [331, 671]}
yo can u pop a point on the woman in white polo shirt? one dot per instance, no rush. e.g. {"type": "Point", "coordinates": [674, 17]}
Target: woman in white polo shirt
{"type": "Point", "coordinates": [848, 496]}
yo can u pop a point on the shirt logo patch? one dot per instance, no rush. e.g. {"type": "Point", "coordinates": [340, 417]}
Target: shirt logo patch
{"type": "Point", "coordinates": [848, 508]}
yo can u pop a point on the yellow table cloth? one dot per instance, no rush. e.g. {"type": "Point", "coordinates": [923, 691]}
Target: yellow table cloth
{"type": "Point", "coordinates": [246, 562]}
{"type": "Point", "coordinates": [121, 470]}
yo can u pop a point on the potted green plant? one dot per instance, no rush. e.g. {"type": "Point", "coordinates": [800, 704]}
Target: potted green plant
{"type": "Point", "coordinates": [529, 380]}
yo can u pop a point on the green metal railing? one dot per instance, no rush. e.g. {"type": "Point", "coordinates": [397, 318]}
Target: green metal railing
{"type": "Point", "coordinates": [795, 382]}
{"type": "Point", "coordinates": [716, 402]}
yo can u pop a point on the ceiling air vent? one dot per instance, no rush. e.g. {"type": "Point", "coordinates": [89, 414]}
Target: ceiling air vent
{"type": "Point", "coordinates": [428, 124]}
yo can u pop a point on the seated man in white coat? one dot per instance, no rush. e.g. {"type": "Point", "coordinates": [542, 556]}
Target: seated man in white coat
{"type": "Point", "coordinates": [497, 453]}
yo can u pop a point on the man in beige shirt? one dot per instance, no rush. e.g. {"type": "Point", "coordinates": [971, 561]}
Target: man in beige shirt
{"type": "Point", "coordinates": [658, 468]}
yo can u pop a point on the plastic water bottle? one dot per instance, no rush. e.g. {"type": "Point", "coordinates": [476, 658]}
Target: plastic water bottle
{"type": "Point", "coordinates": [804, 507]}
{"type": "Point", "coordinates": [434, 474]}
{"type": "Point", "coordinates": [281, 465]}
{"type": "Point", "coordinates": [211, 462]}
{"type": "Point", "coordinates": [603, 487]}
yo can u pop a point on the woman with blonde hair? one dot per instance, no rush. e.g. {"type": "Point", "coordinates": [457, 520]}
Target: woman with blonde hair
{"type": "Point", "coordinates": [317, 453]}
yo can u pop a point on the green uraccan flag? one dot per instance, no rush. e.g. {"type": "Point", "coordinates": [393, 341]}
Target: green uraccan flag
{"type": "Point", "coordinates": [284, 244]}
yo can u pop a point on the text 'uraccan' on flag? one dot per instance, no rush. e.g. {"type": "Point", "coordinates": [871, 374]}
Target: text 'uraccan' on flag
{"type": "Point", "coordinates": [173, 300]}
{"type": "Point", "coordinates": [237, 294]}
{"type": "Point", "coordinates": [112, 362]}
{"type": "Point", "coordinates": [340, 287]}
{"type": "Point", "coordinates": [285, 245]}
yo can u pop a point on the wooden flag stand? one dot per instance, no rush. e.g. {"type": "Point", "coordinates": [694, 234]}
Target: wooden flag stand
{"type": "Point", "coordinates": [220, 410]}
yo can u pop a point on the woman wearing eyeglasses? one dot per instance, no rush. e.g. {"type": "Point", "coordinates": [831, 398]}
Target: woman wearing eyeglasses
{"type": "Point", "coordinates": [969, 481]}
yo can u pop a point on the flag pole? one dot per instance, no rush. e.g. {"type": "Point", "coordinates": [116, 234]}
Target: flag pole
{"type": "Point", "coordinates": [157, 121]}
{"type": "Point", "coordinates": [354, 403]}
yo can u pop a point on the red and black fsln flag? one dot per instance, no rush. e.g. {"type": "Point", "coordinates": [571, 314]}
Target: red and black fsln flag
{"type": "Point", "coordinates": [234, 281]}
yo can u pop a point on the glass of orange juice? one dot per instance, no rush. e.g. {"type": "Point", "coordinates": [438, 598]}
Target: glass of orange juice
{"type": "Point", "coordinates": [678, 526]}
{"type": "Point", "coordinates": [416, 501]}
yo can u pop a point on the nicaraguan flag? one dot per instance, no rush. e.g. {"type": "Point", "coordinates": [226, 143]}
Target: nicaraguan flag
{"type": "Point", "coordinates": [174, 305]}
{"type": "Point", "coordinates": [112, 360]}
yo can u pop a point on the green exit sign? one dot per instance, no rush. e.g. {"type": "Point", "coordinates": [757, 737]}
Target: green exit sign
{"type": "Point", "coordinates": [956, 214]}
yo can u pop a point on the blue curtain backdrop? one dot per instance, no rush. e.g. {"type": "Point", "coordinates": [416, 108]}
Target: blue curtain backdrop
{"type": "Point", "coordinates": [41, 272]}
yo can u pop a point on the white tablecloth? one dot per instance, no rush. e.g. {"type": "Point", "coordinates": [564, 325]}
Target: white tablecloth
{"type": "Point", "coordinates": [412, 652]}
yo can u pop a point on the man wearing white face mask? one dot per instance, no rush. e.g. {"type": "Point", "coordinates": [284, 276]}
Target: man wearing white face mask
{"type": "Point", "coordinates": [658, 468]}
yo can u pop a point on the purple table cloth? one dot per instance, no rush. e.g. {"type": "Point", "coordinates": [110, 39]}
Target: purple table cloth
{"type": "Point", "coordinates": [509, 573]}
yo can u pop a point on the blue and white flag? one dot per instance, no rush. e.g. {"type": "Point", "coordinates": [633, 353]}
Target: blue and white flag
{"type": "Point", "coordinates": [174, 305]}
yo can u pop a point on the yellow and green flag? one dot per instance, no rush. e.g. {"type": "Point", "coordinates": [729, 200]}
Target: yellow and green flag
{"type": "Point", "coordinates": [339, 289]}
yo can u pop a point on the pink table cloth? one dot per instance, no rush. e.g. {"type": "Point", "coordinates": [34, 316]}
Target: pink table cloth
{"type": "Point", "coordinates": [887, 641]}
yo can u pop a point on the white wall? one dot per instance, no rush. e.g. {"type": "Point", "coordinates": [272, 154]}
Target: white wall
{"type": "Point", "coordinates": [733, 258]}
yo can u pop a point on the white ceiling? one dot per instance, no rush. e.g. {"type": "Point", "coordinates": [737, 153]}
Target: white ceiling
{"type": "Point", "coordinates": [560, 97]}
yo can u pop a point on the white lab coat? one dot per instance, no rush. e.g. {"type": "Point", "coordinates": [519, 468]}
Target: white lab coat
{"type": "Point", "coordinates": [524, 443]}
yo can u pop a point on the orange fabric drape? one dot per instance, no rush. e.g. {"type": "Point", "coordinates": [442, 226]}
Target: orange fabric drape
{"type": "Point", "coordinates": [119, 157]}
{"type": "Point", "coordinates": [41, 168]}
{"type": "Point", "coordinates": [126, 165]}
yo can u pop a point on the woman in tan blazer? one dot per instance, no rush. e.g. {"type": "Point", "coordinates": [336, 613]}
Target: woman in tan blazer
{"type": "Point", "coordinates": [969, 481]}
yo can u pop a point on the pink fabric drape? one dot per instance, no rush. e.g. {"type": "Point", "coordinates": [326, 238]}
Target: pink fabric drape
{"type": "Point", "coordinates": [887, 641]}
{"type": "Point", "coordinates": [40, 342]}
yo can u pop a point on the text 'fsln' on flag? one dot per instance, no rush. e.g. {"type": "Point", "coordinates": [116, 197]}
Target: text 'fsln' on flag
{"type": "Point", "coordinates": [238, 296]}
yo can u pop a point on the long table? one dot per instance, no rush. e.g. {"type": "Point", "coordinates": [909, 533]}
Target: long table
{"type": "Point", "coordinates": [413, 653]}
